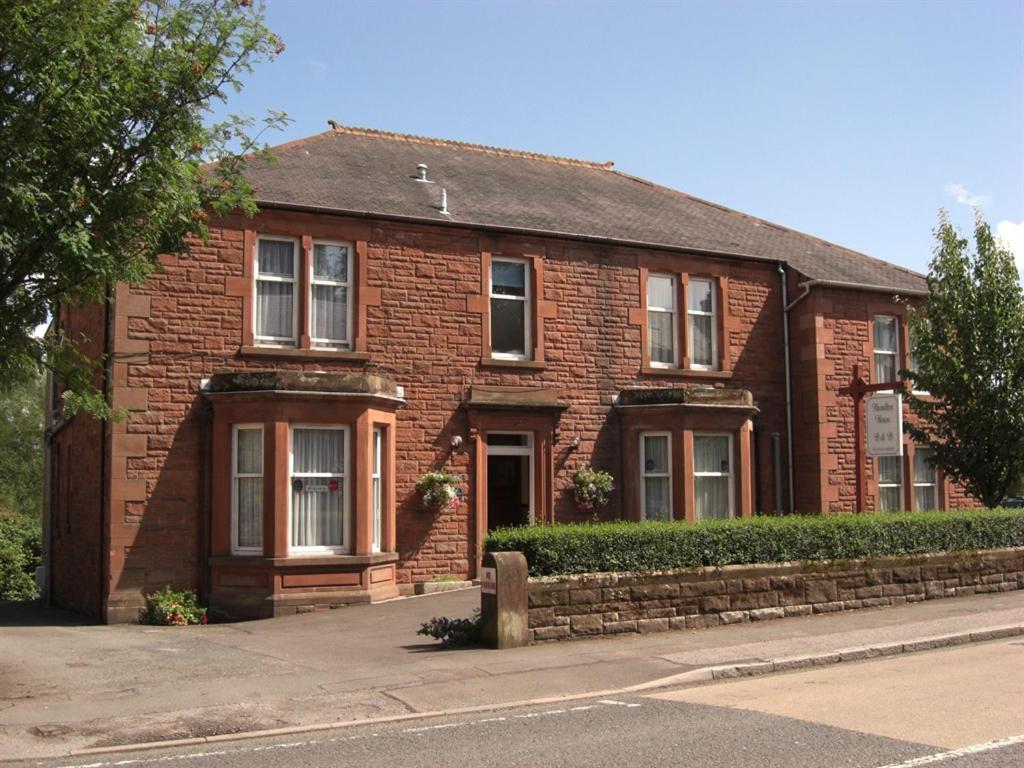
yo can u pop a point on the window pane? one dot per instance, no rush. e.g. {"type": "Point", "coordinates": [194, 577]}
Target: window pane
{"type": "Point", "coordinates": [318, 451]}
{"type": "Point", "coordinates": [711, 453]}
{"type": "Point", "coordinates": [508, 326]}
{"type": "Point", "coordinates": [885, 333]}
{"type": "Point", "coordinates": [316, 514]}
{"type": "Point", "coordinates": [250, 511]}
{"type": "Point", "coordinates": [924, 498]}
{"type": "Point", "coordinates": [655, 453]}
{"type": "Point", "coordinates": [378, 440]}
{"type": "Point", "coordinates": [656, 501]}
{"type": "Point", "coordinates": [889, 469]}
{"type": "Point", "coordinates": [330, 312]}
{"type": "Point", "coordinates": [923, 471]}
{"type": "Point", "coordinates": [699, 292]}
{"type": "Point", "coordinates": [712, 497]}
{"type": "Point", "coordinates": [661, 337]}
{"type": "Point", "coordinates": [249, 451]}
{"type": "Point", "coordinates": [330, 262]}
{"type": "Point", "coordinates": [890, 499]}
{"type": "Point", "coordinates": [661, 292]}
{"type": "Point", "coordinates": [274, 309]}
{"type": "Point", "coordinates": [701, 352]}
{"type": "Point", "coordinates": [508, 278]}
{"type": "Point", "coordinates": [505, 439]}
{"type": "Point", "coordinates": [277, 257]}
{"type": "Point", "coordinates": [885, 367]}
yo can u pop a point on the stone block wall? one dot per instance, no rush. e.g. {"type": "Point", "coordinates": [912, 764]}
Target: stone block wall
{"type": "Point", "coordinates": [566, 607]}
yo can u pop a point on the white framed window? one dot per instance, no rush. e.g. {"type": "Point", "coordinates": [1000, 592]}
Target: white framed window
{"type": "Point", "coordinates": [662, 326]}
{"type": "Point", "coordinates": [887, 348]}
{"type": "Point", "coordinates": [656, 476]}
{"type": "Point", "coordinates": [511, 308]}
{"type": "Point", "coordinates": [377, 479]}
{"type": "Point", "coordinates": [890, 483]}
{"type": "Point", "coordinates": [713, 483]}
{"type": "Point", "coordinates": [275, 318]}
{"type": "Point", "coordinates": [247, 489]}
{"type": "Point", "coordinates": [318, 519]}
{"type": "Point", "coordinates": [330, 305]}
{"type": "Point", "coordinates": [926, 480]}
{"type": "Point", "coordinates": [913, 365]}
{"type": "Point", "coordinates": [701, 313]}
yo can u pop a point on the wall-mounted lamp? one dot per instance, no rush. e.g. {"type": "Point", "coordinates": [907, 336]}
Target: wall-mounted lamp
{"type": "Point", "coordinates": [574, 443]}
{"type": "Point", "coordinates": [456, 442]}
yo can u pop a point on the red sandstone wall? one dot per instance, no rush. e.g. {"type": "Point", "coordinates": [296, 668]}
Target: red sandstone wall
{"type": "Point", "coordinates": [183, 326]}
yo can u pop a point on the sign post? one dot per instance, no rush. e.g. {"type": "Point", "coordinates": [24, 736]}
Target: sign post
{"type": "Point", "coordinates": [885, 423]}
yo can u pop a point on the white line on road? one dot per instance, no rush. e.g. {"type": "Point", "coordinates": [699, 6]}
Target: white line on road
{"type": "Point", "coordinates": [962, 752]}
{"type": "Point", "coordinates": [291, 744]}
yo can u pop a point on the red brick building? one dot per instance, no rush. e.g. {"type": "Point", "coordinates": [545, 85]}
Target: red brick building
{"type": "Point", "coordinates": [403, 304]}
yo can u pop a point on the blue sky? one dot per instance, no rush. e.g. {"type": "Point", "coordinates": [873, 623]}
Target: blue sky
{"type": "Point", "coordinates": [853, 121]}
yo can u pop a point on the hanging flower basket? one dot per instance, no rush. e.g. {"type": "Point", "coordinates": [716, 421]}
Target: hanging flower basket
{"type": "Point", "coordinates": [439, 490]}
{"type": "Point", "coordinates": [592, 488]}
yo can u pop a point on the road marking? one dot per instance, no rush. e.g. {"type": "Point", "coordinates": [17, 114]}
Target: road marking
{"type": "Point", "coordinates": [419, 731]}
{"type": "Point", "coordinates": [962, 752]}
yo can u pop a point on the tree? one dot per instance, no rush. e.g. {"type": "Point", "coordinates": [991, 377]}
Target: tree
{"type": "Point", "coordinates": [968, 348]}
{"type": "Point", "coordinates": [104, 152]}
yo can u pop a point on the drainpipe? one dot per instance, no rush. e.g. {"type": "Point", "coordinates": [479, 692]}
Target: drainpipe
{"type": "Point", "coordinates": [789, 384]}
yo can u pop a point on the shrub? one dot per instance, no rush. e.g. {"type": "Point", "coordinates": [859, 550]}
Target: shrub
{"type": "Point", "coordinates": [170, 607]}
{"type": "Point", "coordinates": [592, 488]}
{"type": "Point", "coordinates": [624, 546]}
{"type": "Point", "coordinates": [20, 555]}
{"type": "Point", "coordinates": [453, 632]}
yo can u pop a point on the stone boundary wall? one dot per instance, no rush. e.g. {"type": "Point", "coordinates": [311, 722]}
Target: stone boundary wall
{"type": "Point", "coordinates": [565, 607]}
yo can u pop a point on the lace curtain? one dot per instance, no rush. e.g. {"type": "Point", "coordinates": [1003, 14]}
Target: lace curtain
{"type": "Point", "coordinates": [318, 457]}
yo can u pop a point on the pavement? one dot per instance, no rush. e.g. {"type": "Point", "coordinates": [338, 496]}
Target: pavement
{"type": "Point", "coordinates": [67, 688]}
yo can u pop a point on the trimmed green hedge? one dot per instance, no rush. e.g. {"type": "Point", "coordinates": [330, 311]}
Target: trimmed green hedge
{"type": "Point", "coordinates": [623, 546]}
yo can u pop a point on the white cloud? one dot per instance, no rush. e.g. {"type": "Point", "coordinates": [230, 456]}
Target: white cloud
{"type": "Point", "coordinates": [1012, 235]}
{"type": "Point", "coordinates": [964, 196]}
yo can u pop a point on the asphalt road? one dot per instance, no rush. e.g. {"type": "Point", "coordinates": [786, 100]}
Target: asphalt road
{"type": "Point", "coordinates": [930, 708]}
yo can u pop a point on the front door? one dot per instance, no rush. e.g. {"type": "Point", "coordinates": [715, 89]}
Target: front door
{"type": "Point", "coordinates": [509, 479]}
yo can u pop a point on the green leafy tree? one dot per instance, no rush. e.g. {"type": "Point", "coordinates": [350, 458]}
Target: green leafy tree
{"type": "Point", "coordinates": [968, 344]}
{"type": "Point", "coordinates": [104, 144]}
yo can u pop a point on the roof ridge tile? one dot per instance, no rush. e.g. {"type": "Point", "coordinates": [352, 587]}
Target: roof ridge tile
{"type": "Point", "coordinates": [352, 130]}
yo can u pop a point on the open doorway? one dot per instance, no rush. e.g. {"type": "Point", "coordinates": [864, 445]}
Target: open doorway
{"type": "Point", "coordinates": [509, 479]}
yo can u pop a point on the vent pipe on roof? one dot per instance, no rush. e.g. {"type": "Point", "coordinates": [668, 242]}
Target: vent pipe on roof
{"type": "Point", "coordinates": [421, 172]}
{"type": "Point", "coordinates": [444, 202]}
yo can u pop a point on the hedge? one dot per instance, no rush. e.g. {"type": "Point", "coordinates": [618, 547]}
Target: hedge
{"type": "Point", "coordinates": [20, 555]}
{"type": "Point", "coordinates": [623, 546]}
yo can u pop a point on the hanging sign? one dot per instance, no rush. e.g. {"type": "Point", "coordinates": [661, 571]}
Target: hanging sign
{"type": "Point", "coordinates": [885, 424]}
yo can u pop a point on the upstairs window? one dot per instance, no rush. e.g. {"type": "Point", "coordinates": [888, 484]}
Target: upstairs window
{"type": "Point", "coordinates": [926, 480]}
{"type": "Point", "coordinates": [656, 480]}
{"type": "Point", "coordinates": [247, 490]}
{"type": "Point", "coordinates": [701, 323]}
{"type": "Point", "coordinates": [661, 321]}
{"type": "Point", "coordinates": [712, 475]}
{"type": "Point", "coordinates": [510, 309]}
{"type": "Point", "coordinates": [886, 345]}
{"type": "Point", "coordinates": [276, 308]}
{"type": "Point", "coordinates": [890, 483]}
{"type": "Point", "coordinates": [331, 306]}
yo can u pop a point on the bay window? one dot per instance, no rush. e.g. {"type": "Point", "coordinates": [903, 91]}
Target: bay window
{"type": "Point", "coordinates": [890, 483]}
{"type": "Point", "coordinates": [319, 493]}
{"type": "Point", "coordinates": [926, 480]}
{"type": "Point", "coordinates": [701, 323]}
{"type": "Point", "coordinates": [712, 476]}
{"type": "Point", "coordinates": [656, 476]}
{"type": "Point", "coordinates": [886, 348]}
{"type": "Point", "coordinates": [247, 489]}
{"type": "Point", "coordinates": [661, 321]}
{"type": "Point", "coordinates": [511, 311]}
{"type": "Point", "coordinates": [276, 308]}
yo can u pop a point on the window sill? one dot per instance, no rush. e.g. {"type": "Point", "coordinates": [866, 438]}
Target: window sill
{"type": "Point", "coordinates": [304, 354]}
{"type": "Point", "coordinates": [687, 373]}
{"type": "Point", "coordinates": [305, 561]}
{"type": "Point", "coordinates": [527, 365]}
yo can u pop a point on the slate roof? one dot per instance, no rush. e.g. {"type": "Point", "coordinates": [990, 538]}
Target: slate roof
{"type": "Point", "coordinates": [367, 172]}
